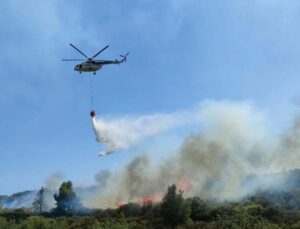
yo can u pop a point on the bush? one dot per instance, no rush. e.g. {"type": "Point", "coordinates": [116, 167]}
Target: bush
{"type": "Point", "coordinates": [199, 209]}
{"type": "Point", "coordinates": [131, 210]}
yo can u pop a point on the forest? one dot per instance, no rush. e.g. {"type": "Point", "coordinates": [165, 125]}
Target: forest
{"type": "Point", "coordinates": [276, 208]}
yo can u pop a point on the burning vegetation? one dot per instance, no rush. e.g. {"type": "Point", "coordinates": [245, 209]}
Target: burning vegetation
{"type": "Point", "coordinates": [233, 143]}
{"type": "Point", "coordinates": [265, 209]}
{"type": "Point", "coordinates": [229, 169]}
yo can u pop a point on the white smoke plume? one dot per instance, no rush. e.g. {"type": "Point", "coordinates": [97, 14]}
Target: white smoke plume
{"type": "Point", "coordinates": [102, 176]}
{"type": "Point", "coordinates": [54, 181]}
{"type": "Point", "coordinates": [25, 199]}
{"type": "Point", "coordinates": [234, 142]}
{"type": "Point", "coordinates": [51, 185]}
{"type": "Point", "coordinates": [121, 133]}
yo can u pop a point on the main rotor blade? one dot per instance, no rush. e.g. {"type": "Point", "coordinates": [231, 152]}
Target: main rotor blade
{"type": "Point", "coordinates": [73, 59]}
{"type": "Point", "coordinates": [78, 50]}
{"type": "Point", "coordinates": [100, 51]}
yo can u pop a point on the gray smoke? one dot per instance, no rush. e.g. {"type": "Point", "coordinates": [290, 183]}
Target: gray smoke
{"type": "Point", "coordinates": [51, 185]}
{"type": "Point", "coordinates": [288, 154]}
{"type": "Point", "coordinates": [102, 177]}
{"type": "Point", "coordinates": [233, 143]}
{"type": "Point", "coordinates": [25, 199]}
{"type": "Point", "coordinates": [18, 200]}
{"type": "Point", "coordinates": [54, 181]}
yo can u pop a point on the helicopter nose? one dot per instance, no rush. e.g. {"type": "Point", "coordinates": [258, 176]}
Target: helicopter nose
{"type": "Point", "coordinates": [76, 68]}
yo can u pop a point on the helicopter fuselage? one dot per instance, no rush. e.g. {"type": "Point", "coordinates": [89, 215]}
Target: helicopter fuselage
{"type": "Point", "coordinates": [88, 67]}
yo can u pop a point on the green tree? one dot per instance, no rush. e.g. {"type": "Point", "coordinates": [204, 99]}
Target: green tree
{"type": "Point", "coordinates": [200, 211]}
{"type": "Point", "coordinates": [39, 203]}
{"type": "Point", "coordinates": [66, 200]}
{"type": "Point", "coordinates": [131, 210]}
{"type": "Point", "coordinates": [174, 208]}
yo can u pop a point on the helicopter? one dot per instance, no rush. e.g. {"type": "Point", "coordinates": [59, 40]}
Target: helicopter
{"type": "Point", "coordinates": [92, 65]}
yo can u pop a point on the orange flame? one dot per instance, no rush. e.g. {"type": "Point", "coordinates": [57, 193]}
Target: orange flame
{"type": "Point", "coordinates": [184, 184]}
{"type": "Point", "coordinates": [119, 205]}
{"type": "Point", "coordinates": [146, 200]}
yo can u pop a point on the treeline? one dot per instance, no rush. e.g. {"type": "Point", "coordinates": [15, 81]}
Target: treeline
{"type": "Point", "coordinates": [264, 210]}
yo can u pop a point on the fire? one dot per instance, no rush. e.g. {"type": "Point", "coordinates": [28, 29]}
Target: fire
{"type": "Point", "coordinates": [150, 199]}
{"type": "Point", "coordinates": [146, 200]}
{"type": "Point", "coordinates": [119, 205]}
{"type": "Point", "coordinates": [185, 184]}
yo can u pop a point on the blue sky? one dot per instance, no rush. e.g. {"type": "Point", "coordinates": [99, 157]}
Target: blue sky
{"type": "Point", "coordinates": [181, 53]}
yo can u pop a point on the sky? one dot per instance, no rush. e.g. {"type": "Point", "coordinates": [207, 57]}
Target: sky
{"type": "Point", "coordinates": [182, 52]}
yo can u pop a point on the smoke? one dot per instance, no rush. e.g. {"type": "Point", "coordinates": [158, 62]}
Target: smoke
{"type": "Point", "coordinates": [234, 141]}
{"type": "Point", "coordinates": [51, 185]}
{"type": "Point", "coordinates": [54, 181]}
{"type": "Point", "coordinates": [18, 200]}
{"type": "Point", "coordinates": [25, 199]}
{"type": "Point", "coordinates": [288, 155]}
{"type": "Point", "coordinates": [233, 146]}
{"type": "Point", "coordinates": [122, 133]}
{"type": "Point", "coordinates": [102, 177]}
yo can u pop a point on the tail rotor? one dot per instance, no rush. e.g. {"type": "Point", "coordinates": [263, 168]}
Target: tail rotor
{"type": "Point", "coordinates": [124, 57]}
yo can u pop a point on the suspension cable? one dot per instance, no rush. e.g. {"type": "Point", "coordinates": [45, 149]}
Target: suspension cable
{"type": "Point", "coordinates": [91, 92]}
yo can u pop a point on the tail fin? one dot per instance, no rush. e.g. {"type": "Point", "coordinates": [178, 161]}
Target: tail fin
{"type": "Point", "coordinates": [124, 58]}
